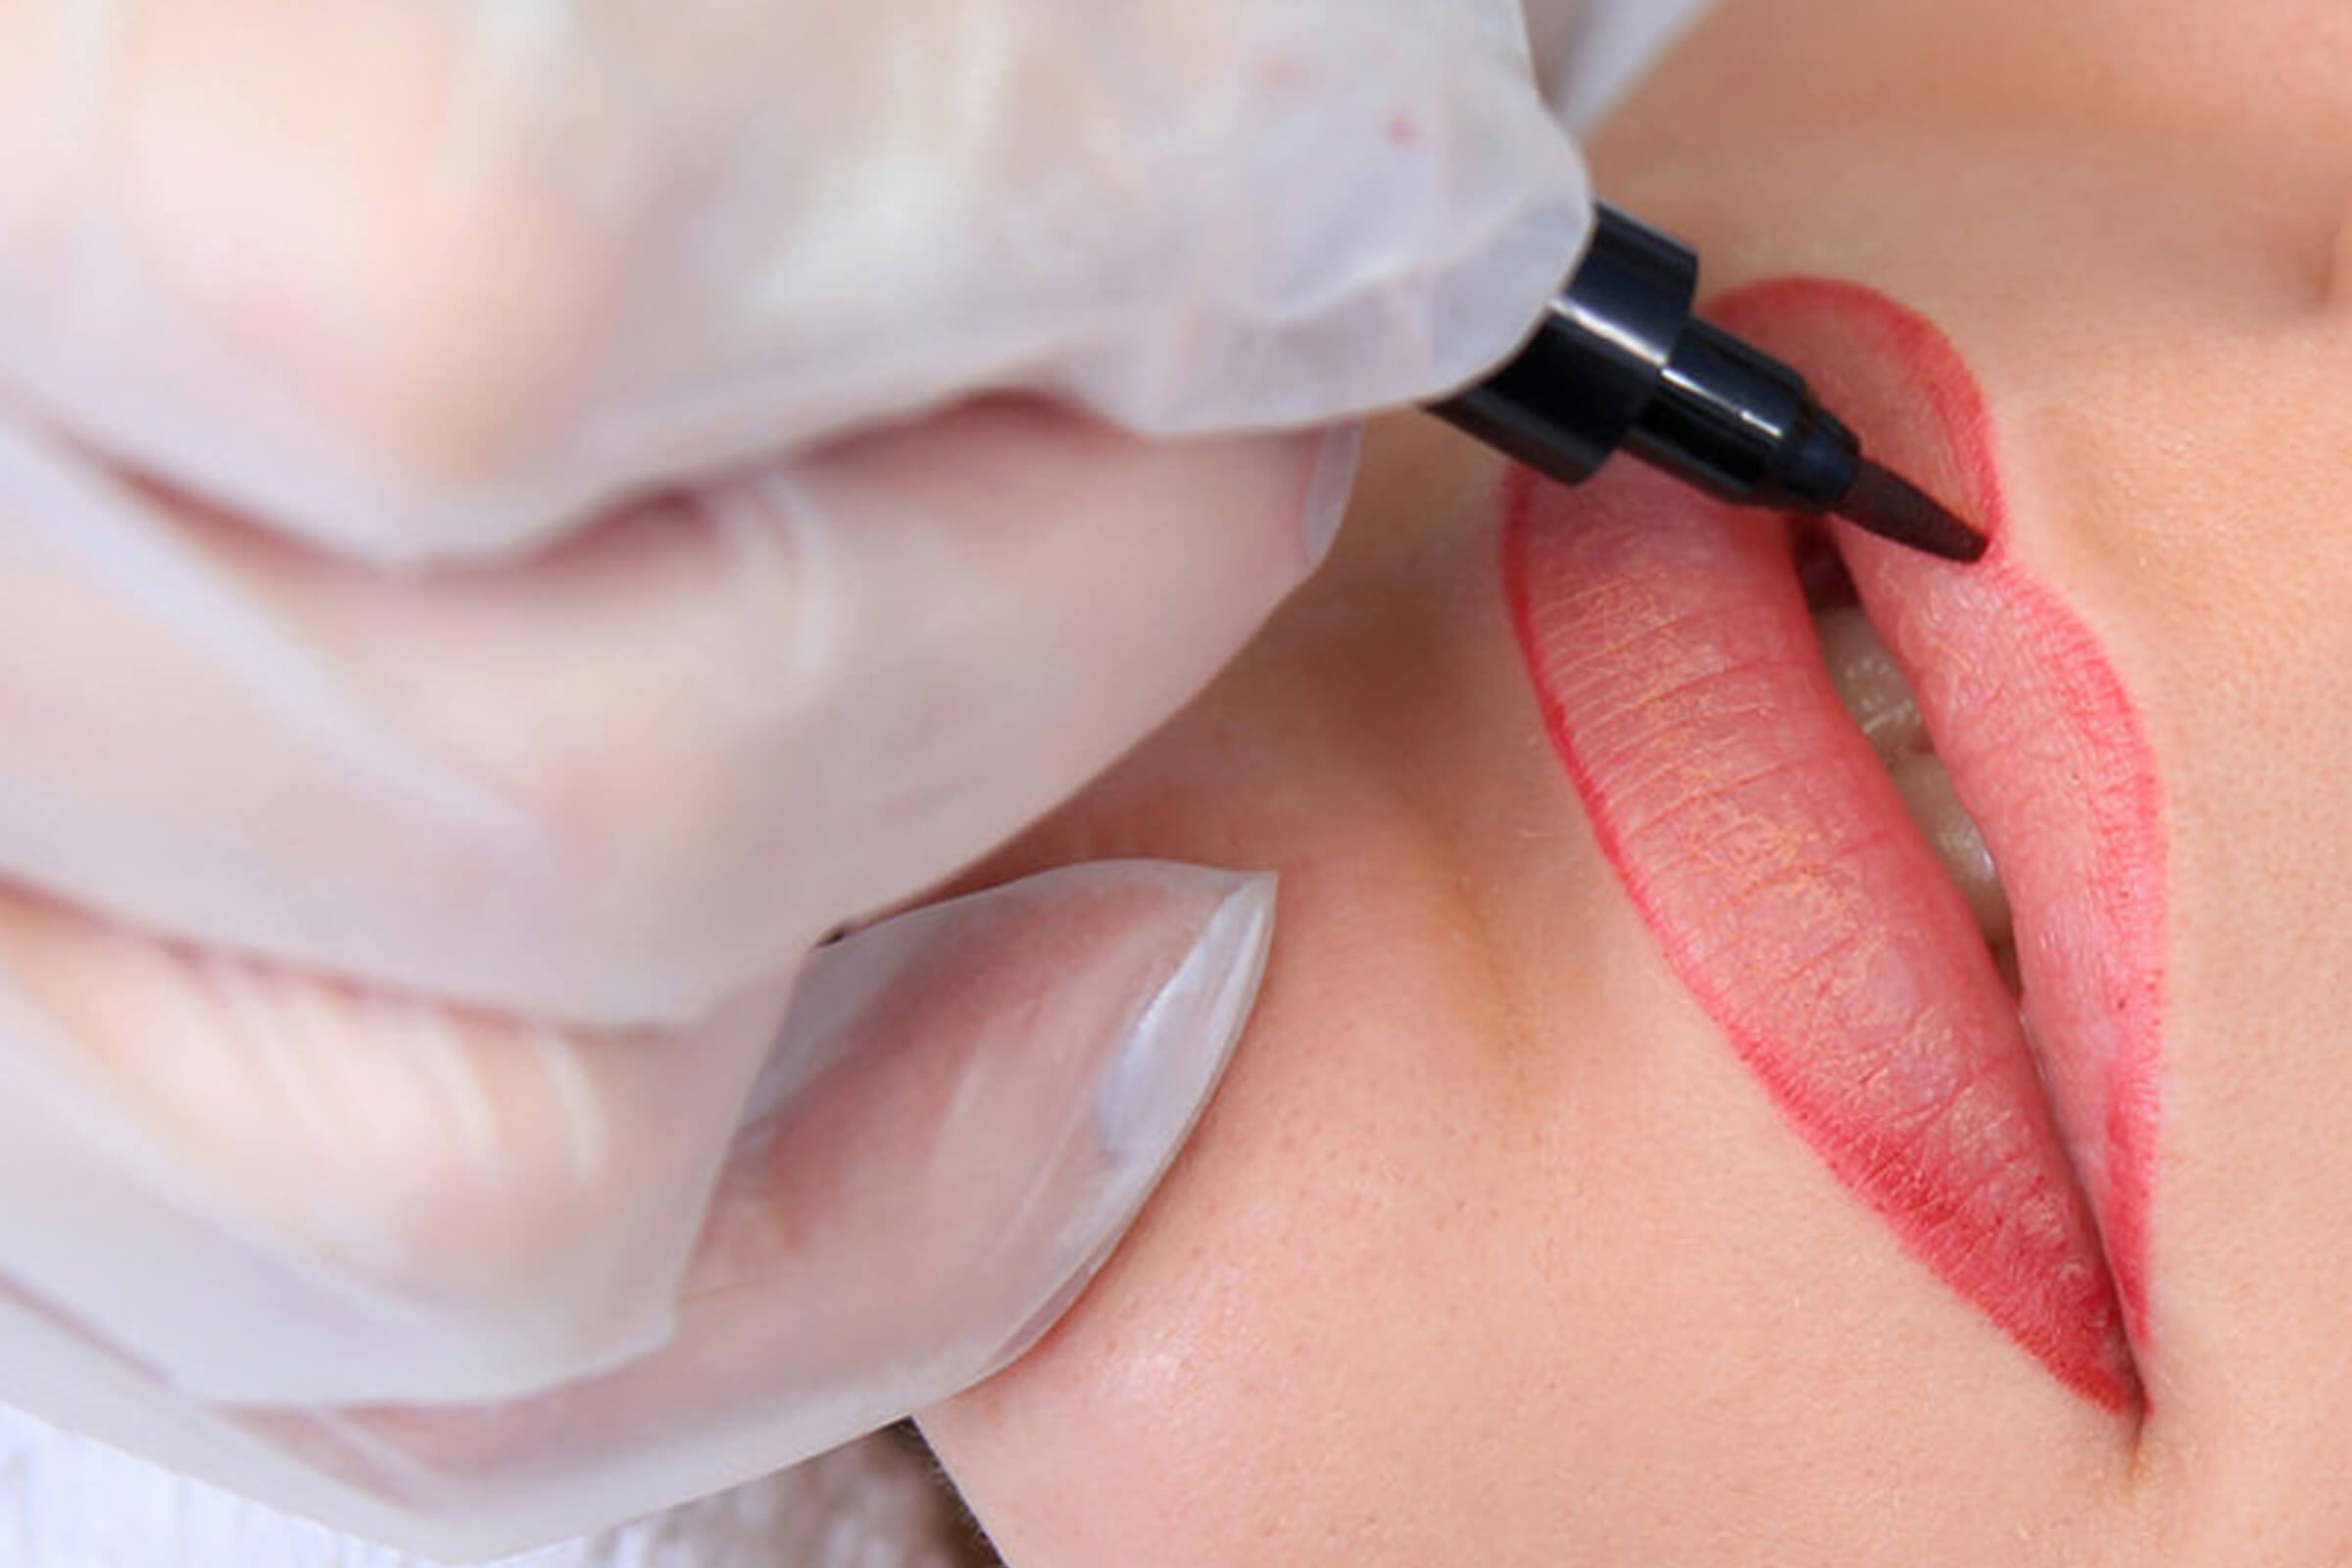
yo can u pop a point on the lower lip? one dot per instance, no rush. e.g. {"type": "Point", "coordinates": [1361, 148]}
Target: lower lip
{"type": "Point", "coordinates": [1769, 854]}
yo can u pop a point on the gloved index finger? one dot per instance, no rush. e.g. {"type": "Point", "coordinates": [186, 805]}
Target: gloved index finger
{"type": "Point", "coordinates": [435, 279]}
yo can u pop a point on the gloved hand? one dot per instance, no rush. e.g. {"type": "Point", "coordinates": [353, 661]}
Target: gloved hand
{"type": "Point", "coordinates": [500, 553]}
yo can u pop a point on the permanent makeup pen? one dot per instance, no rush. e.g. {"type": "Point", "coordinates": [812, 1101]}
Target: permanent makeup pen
{"type": "Point", "coordinates": [1621, 363]}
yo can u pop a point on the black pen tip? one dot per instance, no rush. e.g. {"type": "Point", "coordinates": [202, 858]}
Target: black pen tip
{"type": "Point", "coordinates": [1886, 503]}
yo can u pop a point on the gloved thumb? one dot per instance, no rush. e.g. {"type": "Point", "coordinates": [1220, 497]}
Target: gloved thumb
{"type": "Point", "coordinates": [966, 1107]}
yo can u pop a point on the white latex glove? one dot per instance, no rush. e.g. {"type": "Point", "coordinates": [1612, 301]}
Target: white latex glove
{"type": "Point", "coordinates": [498, 556]}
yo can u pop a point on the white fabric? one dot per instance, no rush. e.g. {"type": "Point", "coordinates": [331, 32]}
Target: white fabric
{"type": "Point", "coordinates": [502, 549]}
{"type": "Point", "coordinates": [69, 1503]}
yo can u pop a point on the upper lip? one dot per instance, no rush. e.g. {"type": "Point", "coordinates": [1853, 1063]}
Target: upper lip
{"type": "Point", "coordinates": [1770, 855]}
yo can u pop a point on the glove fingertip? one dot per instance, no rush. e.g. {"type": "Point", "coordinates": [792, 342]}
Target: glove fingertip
{"type": "Point", "coordinates": [1156, 1082]}
{"type": "Point", "coordinates": [1328, 488]}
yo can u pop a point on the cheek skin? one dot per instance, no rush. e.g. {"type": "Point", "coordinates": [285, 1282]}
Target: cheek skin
{"type": "Point", "coordinates": [1484, 1201]}
{"type": "Point", "coordinates": [1208, 1346]}
{"type": "Point", "coordinates": [1262, 1327]}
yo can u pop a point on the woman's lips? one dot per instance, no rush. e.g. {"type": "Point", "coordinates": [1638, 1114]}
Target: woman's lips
{"type": "Point", "coordinates": [1770, 855]}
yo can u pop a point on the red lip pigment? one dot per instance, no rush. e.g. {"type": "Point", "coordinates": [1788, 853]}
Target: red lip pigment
{"type": "Point", "coordinates": [1766, 849]}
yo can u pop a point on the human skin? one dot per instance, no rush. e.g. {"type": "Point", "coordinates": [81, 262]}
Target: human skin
{"type": "Point", "coordinates": [1492, 1249]}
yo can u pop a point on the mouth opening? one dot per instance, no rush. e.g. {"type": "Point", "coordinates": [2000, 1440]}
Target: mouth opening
{"type": "Point", "coordinates": [1880, 701]}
